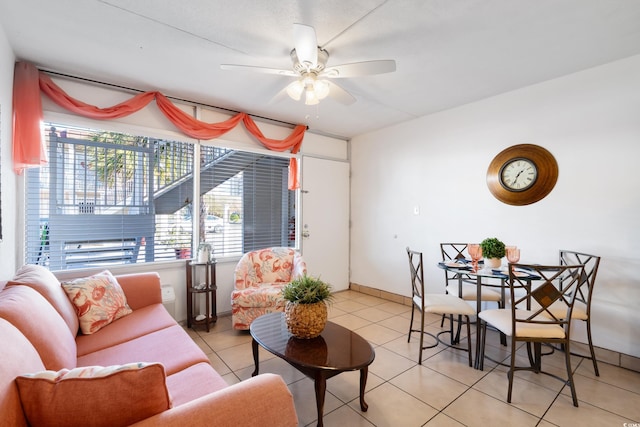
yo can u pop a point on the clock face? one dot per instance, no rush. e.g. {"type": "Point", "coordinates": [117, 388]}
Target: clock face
{"type": "Point", "coordinates": [522, 174]}
{"type": "Point", "coordinates": [518, 174]}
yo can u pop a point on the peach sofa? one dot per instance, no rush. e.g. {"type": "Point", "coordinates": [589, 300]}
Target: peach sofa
{"type": "Point", "coordinates": [38, 332]}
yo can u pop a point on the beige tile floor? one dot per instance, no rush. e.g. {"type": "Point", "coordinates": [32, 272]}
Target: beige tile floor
{"type": "Point", "coordinates": [443, 391]}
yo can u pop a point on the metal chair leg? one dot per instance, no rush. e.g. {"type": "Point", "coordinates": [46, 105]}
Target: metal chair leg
{"type": "Point", "coordinates": [481, 344]}
{"type": "Point", "coordinates": [411, 323]}
{"type": "Point", "coordinates": [532, 358]}
{"type": "Point", "coordinates": [591, 350]}
{"type": "Point", "coordinates": [572, 386]}
{"type": "Point", "coordinates": [468, 339]}
{"type": "Point", "coordinates": [511, 372]}
{"type": "Point", "coordinates": [421, 337]}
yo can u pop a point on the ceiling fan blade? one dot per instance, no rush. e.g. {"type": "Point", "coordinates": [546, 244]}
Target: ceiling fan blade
{"type": "Point", "coordinates": [262, 70]}
{"type": "Point", "coordinates": [340, 95]}
{"type": "Point", "coordinates": [306, 44]}
{"type": "Point", "coordinates": [279, 97]}
{"type": "Point", "coordinates": [358, 69]}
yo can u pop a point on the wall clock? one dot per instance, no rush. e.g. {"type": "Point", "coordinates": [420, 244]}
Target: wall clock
{"type": "Point", "coordinates": [522, 174]}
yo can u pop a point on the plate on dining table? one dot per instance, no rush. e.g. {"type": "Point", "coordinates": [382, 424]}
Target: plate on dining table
{"type": "Point", "coordinates": [519, 273]}
{"type": "Point", "coordinates": [516, 273]}
{"type": "Point", "coordinates": [453, 264]}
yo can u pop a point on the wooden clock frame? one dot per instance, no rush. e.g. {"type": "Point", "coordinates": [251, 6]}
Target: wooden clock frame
{"type": "Point", "coordinates": [546, 179]}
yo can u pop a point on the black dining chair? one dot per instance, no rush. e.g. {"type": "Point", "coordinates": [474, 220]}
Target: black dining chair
{"type": "Point", "coordinates": [582, 308]}
{"type": "Point", "coordinates": [531, 319]}
{"type": "Point", "coordinates": [457, 252]}
{"type": "Point", "coordinates": [440, 304]}
{"type": "Point", "coordinates": [467, 287]}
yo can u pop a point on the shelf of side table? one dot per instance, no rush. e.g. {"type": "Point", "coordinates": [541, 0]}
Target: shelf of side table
{"type": "Point", "coordinates": [208, 288]}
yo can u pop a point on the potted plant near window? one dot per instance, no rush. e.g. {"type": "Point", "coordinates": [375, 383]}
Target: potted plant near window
{"type": "Point", "coordinates": [178, 239]}
{"type": "Point", "coordinates": [306, 307]}
{"type": "Point", "coordinates": [234, 217]}
{"type": "Point", "coordinates": [492, 251]}
{"type": "Point", "coordinates": [205, 251]}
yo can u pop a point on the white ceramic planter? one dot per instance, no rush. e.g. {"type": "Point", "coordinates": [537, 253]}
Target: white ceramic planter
{"type": "Point", "coordinates": [492, 262]}
{"type": "Point", "coordinates": [204, 255]}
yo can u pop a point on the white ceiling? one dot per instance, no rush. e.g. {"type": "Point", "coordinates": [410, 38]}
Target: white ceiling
{"type": "Point", "coordinates": [448, 52]}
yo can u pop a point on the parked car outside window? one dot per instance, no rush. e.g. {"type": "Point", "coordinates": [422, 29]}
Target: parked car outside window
{"type": "Point", "coordinates": [213, 224]}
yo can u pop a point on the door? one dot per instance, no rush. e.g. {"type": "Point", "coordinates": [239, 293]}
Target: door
{"type": "Point", "coordinates": [325, 220]}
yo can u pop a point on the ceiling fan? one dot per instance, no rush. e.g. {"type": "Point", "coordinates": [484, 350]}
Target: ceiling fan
{"type": "Point", "coordinates": [311, 71]}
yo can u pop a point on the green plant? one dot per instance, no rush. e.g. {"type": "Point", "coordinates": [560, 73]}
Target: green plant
{"type": "Point", "coordinates": [205, 246]}
{"type": "Point", "coordinates": [205, 252]}
{"type": "Point", "coordinates": [307, 290]}
{"type": "Point", "coordinates": [175, 237]}
{"type": "Point", "coordinates": [234, 217]}
{"type": "Point", "coordinates": [492, 248]}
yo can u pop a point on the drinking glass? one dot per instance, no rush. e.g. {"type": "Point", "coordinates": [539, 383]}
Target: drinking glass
{"type": "Point", "coordinates": [475, 252]}
{"type": "Point", "coordinates": [513, 254]}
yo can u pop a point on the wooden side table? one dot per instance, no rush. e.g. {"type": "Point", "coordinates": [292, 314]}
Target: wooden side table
{"type": "Point", "coordinates": [207, 287]}
{"type": "Point", "coordinates": [336, 350]}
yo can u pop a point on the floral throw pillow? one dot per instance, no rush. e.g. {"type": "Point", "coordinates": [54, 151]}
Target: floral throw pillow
{"type": "Point", "coordinates": [94, 396]}
{"type": "Point", "coordinates": [98, 301]}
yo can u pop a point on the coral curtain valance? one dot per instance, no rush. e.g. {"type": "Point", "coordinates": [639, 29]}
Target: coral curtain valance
{"type": "Point", "coordinates": [28, 148]}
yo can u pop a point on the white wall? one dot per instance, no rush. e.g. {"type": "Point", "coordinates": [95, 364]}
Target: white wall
{"type": "Point", "coordinates": [7, 177]}
{"type": "Point", "coordinates": [590, 121]}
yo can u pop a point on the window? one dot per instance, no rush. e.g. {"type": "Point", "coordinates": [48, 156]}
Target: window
{"type": "Point", "coordinates": [109, 198]}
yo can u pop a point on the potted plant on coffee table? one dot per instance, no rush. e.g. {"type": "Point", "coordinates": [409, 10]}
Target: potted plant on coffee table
{"type": "Point", "coordinates": [492, 251]}
{"type": "Point", "coordinates": [306, 307]}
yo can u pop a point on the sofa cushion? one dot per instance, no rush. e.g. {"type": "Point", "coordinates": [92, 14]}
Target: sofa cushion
{"type": "Point", "coordinates": [30, 312]}
{"type": "Point", "coordinates": [43, 281]}
{"type": "Point", "coordinates": [194, 382]}
{"type": "Point", "coordinates": [141, 322]}
{"type": "Point", "coordinates": [98, 300]}
{"type": "Point", "coordinates": [141, 289]}
{"type": "Point", "coordinates": [94, 396]}
{"type": "Point", "coordinates": [17, 356]}
{"type": "Point", "coordinates": [170, 346]}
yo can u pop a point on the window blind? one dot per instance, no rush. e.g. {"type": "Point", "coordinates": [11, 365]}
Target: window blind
{"type": "Point", "coordinates": [110, 198]}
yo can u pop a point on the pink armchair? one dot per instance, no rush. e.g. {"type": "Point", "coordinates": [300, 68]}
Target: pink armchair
{"type": "Point", "coordinates": [259, 278]}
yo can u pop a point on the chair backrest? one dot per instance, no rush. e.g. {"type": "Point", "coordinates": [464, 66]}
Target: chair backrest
{"type": "Point", "coordinates": [591, 264]}
{"type": "Point", "coordinates": [417, 276]}
{"type": "Point", "coordinates": [555, 283]}
{"type": "Point", "coordinates": [454, 252]}
{"type": "Point", "coordinates": [277, 265]}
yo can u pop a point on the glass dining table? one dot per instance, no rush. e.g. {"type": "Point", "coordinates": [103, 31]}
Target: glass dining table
{"type": "Point", "coordinates": [487, 278]}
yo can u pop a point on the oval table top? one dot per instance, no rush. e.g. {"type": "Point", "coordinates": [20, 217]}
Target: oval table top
{"type": "Point", "coordinates": [337, 348]}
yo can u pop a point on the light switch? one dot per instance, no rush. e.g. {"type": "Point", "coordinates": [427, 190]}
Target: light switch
{"type": "Point", "coordinates": [416, 210]}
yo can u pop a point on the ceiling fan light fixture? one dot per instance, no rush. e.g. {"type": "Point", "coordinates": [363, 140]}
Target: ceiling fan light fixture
{"type": "Point", "coordinates": [310, 96]}
{"type": "Point", "coordinates": [295, 89]}
{"type": "Point", "coordinates": [321, 88]}
{"type": "Point", "coordinates": [314, 89]}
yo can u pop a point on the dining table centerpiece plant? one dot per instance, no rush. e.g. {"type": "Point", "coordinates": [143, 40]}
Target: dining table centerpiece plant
{"type": "Point", "coordinates": [493, 250]}
{"type": "Point", "coordinates": [306, 308]}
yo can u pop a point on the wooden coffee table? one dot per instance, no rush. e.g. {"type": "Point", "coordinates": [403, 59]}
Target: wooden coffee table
{"type": "Point", "coordinates": [336, 350]}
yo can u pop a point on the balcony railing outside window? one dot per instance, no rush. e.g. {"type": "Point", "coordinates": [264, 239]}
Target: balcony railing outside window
{"type": "Point", "coordinates": [109, 198]}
